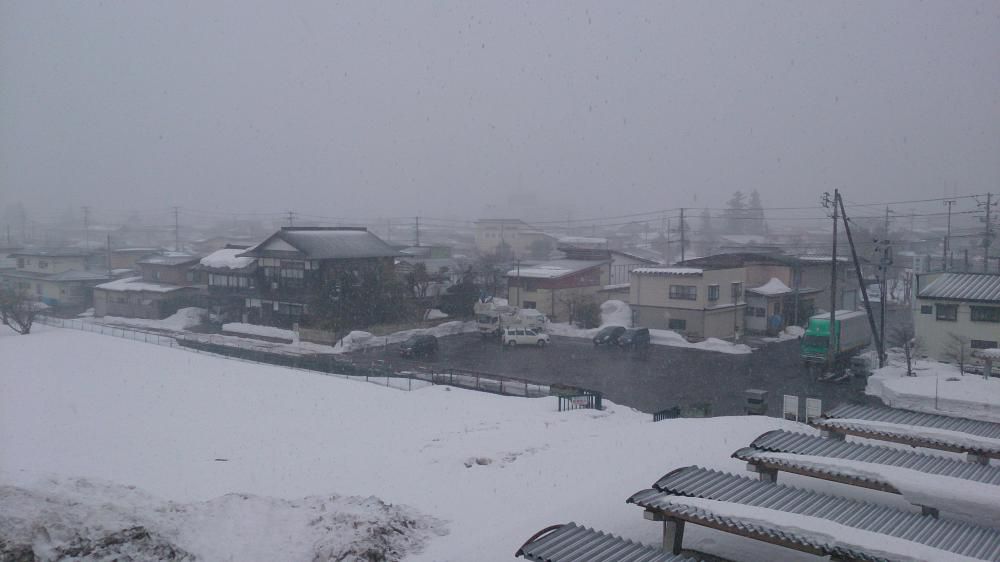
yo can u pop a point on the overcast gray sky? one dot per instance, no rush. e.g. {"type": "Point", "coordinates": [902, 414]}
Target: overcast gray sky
{"type": "Point", "coordinates": [371, 108]}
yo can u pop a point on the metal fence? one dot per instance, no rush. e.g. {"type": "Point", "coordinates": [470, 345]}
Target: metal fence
{"type": "Point", "coordinates": [374, 371]}
{"type": "Point", "coordinates": [587, 399]}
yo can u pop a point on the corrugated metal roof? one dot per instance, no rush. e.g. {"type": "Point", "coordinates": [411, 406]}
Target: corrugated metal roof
{"type": "Point", "coordinates": [963, 287]}
{"type": "Point", "coordinates": [761, 530]}
{"type": "Point", "coordinates": [914, 428]}
{"type": "Point", "coordinates": [953, 536]}
{"type": "Point", "coordinates": [768, 459]}
{"type": "Point", "coordinates": [781, 441]}
{"type": "Point", "coordinates": [573, 543]}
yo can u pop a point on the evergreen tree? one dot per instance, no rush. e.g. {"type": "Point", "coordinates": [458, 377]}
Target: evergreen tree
{"type": "Point", "coordinates": [755, 212]}
{"type": "Point", "coordinates": [736, 214]}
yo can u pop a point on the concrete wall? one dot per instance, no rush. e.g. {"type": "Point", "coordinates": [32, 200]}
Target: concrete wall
{"type": "Point", "coordinates": [935, 335]}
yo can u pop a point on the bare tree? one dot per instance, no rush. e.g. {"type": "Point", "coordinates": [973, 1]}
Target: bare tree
{"type": "Point", "coordinates": [17, 310]}
{"type": "Point", "coordinates": [905, 338]}
{"type": "Point", "coordinates": [958, 350]}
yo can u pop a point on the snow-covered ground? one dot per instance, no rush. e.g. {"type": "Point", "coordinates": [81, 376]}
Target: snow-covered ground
{"type": "Point", "coordinates": [618, 313]}
{"type": "Point", "coordinates": [192, 429]}
{"type": "Point", "coordinates": [937, 388]}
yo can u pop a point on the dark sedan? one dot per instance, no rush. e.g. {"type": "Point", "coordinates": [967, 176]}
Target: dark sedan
{"type": "Point", "coordinates": [419, 345]}
{"type": "Point", "coordinates": [609, 335]}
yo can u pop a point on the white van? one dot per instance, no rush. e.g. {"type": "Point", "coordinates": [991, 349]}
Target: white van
{"type": "Point", "coordinates": [524, 336]}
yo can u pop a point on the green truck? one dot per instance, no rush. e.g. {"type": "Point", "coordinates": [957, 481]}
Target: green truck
{"type": "Point", "coordinates": [852, 334]}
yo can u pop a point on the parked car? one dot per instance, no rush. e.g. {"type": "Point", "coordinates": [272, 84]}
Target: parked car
{"type": "Point", "coordinates": [609, 335]}
{"type": "Point", "coordinates": [419, 345]}
{"type": "Point", "coordinates": [634, 338]}
{"type": "Point", "coordinates": [524, 336]}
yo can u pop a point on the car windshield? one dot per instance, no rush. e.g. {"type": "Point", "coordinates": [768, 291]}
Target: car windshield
{"type": "Point", "coordinates": [326, 280]}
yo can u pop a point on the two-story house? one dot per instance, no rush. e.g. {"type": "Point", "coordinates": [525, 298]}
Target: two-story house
{"type": "Point", "coordinates": [58, 278]}
{"type": "Point", "coordinates": [230, 280]}
{"type": "Point", "coordinates": [698, 303]}
{"type": "Point", "coordinates": [165, 284]}
{"type": "Point", "coordinates": [295, 263]}
{"type": "Point", "coordinates": [956, 307]}
{"type": "Point", "coordinates": [555, 287]}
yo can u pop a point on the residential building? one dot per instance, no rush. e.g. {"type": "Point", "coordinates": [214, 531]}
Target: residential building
{"type": "Point", "coordinates": [620, 263]}
{"type": "Point", "coordinates": [556, 287]}
{"type": "Point", "coordinates": [511, 237]}
{"type": "Point", "coordinates": [58, 278]}
{"type": "Point", "coordinates": [698, 303]}
{"type": "Point", "coordinates": [165, 284]}
{"type": "Point", "coordinates": [295, 263]}
{"type": "Point", "coordinates": [956, 306]}
{"type": "Point", "coordinates": [126, 258]}
{"type": "Point", "coordinates": [230, 280]}
{"type": "Point", "coordinates": [805, 281]}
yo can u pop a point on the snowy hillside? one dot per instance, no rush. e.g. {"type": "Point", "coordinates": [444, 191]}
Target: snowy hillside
{"type": "Point", "coordinates": [474, 474]}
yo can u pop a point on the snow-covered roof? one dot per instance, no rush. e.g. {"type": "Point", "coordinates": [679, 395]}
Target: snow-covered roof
{"type": "Point", "coordinates": [583, 240]}
{"type": "Point", "coordinates": [554, 269]}
{"type": "Point", "coordinates": [137, 284]}
{"type": "Point", "coordinates": [566, 543]}
{"type": "Point", "coordinates": [667, 271]}
{"type": "Point", "coordinates": [821, 259]}
{"type": "Point", "coordinates": [167, 258]}
{"type": "Point", "coordinates": [809, 520]}
{"type": "Point", "coordinates": [771, 288]}
{"type": "Point", "coordinates": [992, 354]}
{"type": "Point", "coordinates": [227, 258]}
{"type": "Point", "coordinates": [781, 441]}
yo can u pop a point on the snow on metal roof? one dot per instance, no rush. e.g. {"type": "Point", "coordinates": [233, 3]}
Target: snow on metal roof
{"type": "Point", "coordinates": [915, 428]}
{"type": "Point", "coordinates": [571, 542]}
{"type": "Point", "coordinates": [958, 537]}
{"type": "Point", "coordinates": [780, 441]}
{"type": "Point", "coordinates": [554, 269]}
{"type": "Point", "coordinates": [979, 287]}
{"type": "Point", "coordinates": [668, 271]}
{"type": "Point", "coordinates": [168, 258]}
{"type": "Point", "coordinates": [771, 288]}
{"type": "Point", "coordinates": [990, 430]}
{"type": "Point", "coordinates": [228, 258]}
{"type": "Point", "coordinates": [137, 284]}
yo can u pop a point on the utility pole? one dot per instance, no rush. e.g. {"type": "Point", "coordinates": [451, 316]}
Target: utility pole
{"type": "Point", "coordinates": [879, 342]}
{"type": "Point", "coordinates": [683, 237]}
{"type": "Point", "coordinates": [831, 345]}
{"type": "Point", "coordinates": [416, 227]}
{"type": "Point", "coordinates": [518, 297]}
{"type": "Point", "coordinates": [177, 229]}
{"type": "Point", "coordinates": [988, 235]}
{"type": "Point", "coordinates": [947, 238]}
{"type": "Point", "coordinates": [86, 227]}
{"type": "Point", "coordinates": [291, 218]}
{"type": "Point", "coordinates": [109, 255]}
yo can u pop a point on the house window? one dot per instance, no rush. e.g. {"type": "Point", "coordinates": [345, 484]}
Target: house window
{"type": "Point", "coordinates": [926, 309]}
{"type": "Point", "coordinates": [42, 264]}
{"type": "Point", "coordinates": [982, 344]}
{"type": "Point", "coordinates": [947, 312]}
{"type": "Point", "coordinates": [38, 288]}
{"type": "Point", "coordinates": [156, 275]}
{"type": "Point", "coordinates": [985, 314]}
{"type": "Point", "coordinates": [677, 324]}
{"type": "Point", "coordinates": [684, 292]}
{"type": "Point", "coordinates": [529, 304]}
{"type": "Point", "coordinates": [20, 263]}
{"type": "Point", "coordinates": [736, 289]}
{"type": "Point", "coordinates": [713, 292]}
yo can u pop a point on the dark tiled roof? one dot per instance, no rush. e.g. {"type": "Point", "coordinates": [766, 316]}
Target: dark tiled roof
{"type": "Point", "coordinates": [321, 243]}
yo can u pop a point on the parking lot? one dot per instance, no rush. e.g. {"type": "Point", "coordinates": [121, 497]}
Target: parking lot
{"type": "Point", "coordinates": [648, 380]}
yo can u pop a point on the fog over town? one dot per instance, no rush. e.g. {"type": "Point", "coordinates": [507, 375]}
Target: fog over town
{"type": "Point", "coordinates": [442, 281]}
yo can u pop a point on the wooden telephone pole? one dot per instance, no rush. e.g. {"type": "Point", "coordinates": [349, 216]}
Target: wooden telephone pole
{"type": "Point", "coordinates": [831, 345]}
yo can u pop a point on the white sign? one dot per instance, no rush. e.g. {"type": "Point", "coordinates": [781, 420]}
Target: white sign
{"type": "Point", "coordinates": [790, 408]}
{"type": "Point", "coordinates": [814, 409]}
